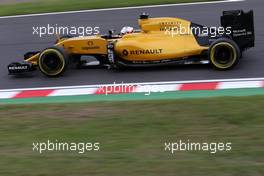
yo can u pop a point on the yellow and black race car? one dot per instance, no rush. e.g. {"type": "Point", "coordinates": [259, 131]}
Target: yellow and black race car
{"type": "Point", "coordinates": [160, 41]}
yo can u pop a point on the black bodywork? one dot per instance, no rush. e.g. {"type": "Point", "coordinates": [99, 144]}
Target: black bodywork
{"type": "Point", "coordinates": [242, 29]}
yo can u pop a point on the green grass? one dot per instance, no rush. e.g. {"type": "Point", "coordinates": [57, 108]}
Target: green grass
{"type": "Point", "coordinates": [132, 136]}
{"type": "Point", "coordinates": [41, 6]}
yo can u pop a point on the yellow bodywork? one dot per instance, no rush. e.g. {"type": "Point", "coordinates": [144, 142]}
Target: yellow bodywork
{"type": "Point", "coordinates": [85, 45]}
{"type": "Point", "coordinates": [158, 39]}
{"type": "Point", "coordinates": [92, 45]}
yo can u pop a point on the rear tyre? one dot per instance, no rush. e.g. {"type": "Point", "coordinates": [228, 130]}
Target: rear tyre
{"type": "Point", "coordinates": [224, 54]}
{"type": "Point", "coordinates": [53, 61]}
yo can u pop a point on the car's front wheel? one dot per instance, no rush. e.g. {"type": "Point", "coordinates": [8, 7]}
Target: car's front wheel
{"type": "Point", "coordinates": [53, 61]}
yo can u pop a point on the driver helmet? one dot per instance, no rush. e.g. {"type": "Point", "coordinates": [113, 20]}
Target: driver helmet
{"type": "Point", "coordinates": [126, 30]}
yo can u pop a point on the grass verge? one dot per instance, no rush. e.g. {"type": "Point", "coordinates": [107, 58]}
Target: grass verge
{"type": "Point", "coordinates": [132, 136]}
{"type": "Point", "coordinates": [41, 6]}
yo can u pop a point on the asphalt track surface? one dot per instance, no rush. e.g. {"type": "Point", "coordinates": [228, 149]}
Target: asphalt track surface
{"type": "Point", "coordinates": [16, 38]}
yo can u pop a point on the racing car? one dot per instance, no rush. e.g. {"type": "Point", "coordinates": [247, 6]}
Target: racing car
{"type": "Point", "coordinates": [158, 42]}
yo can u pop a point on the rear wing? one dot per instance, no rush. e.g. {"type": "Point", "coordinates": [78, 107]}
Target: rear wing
{"type": "Point", "coordinates": [242, 27]}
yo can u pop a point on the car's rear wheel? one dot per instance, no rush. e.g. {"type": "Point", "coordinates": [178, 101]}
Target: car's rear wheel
{"type": "Point", "coordinates": [53, 61]}
{"type": "Point", "coordinates": [224, 54]}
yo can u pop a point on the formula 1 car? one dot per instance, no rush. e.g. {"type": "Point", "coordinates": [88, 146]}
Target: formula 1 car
{"type": "Point", "coordinates": [159, 41]}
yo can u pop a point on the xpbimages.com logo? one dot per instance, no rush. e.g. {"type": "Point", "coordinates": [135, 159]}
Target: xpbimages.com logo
{"type": "Point", "coordinates": [81, 31]}
{"type": "Point", "coordinates": [183, 146]}
{"type": "Point", "coordinates": [57, 146]}
{"type": "Point", "coordinates": [197, 30]}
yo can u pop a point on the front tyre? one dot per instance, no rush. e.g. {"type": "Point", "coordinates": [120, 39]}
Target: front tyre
{"type": "Point", "coordinates": [224, 54]}
{"type": "Point", "coordinates": [53, 61]}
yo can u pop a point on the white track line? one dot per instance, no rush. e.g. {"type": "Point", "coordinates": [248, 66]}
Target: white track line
{"type": "Point", "coordinates": [140, 84]}
{"type": "Point", "coordinates": [241, 84]}
{"type": "Point", "coordinates": [120, 8]}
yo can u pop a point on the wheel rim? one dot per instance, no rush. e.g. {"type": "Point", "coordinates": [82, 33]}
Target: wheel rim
{"type": "Point", "coordinates": [51, 62]}
{"type": "Point", "coordinates": [223, 55]}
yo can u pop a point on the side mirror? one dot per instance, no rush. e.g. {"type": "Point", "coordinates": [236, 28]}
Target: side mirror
{"type": "Point", "coordinates": [111, 32]}
{"type": "Point", "coordinates": [144, 16]}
